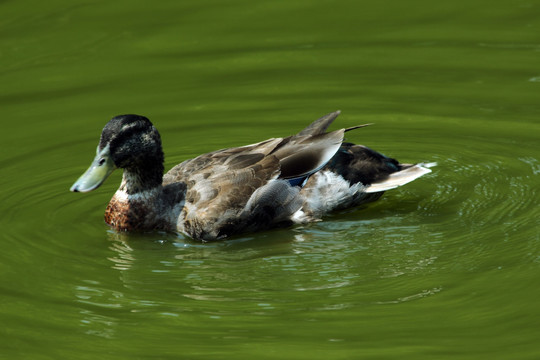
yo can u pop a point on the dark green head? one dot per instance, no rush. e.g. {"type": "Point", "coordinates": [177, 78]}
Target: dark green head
{"type": "Point", "coordinates": [129, 142]}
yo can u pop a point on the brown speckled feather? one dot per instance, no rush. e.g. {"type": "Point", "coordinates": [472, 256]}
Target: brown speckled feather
{"type": "Point", "coordinates": [214, 201]}
{"type": "Point", "coordinates": [205, 165]}
{"type": "Point", "coordinates": [220, 184]}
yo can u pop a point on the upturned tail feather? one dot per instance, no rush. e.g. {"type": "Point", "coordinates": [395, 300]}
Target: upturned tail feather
{"type": "Point", "coordinates": [399, 178]}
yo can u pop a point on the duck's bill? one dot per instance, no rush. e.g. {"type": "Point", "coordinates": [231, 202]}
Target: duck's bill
{"type": "Point", "coordinates": [97, 173]}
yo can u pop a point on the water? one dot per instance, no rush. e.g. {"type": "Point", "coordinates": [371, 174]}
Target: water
{"type": "Point", "coordinates": [445, 267]}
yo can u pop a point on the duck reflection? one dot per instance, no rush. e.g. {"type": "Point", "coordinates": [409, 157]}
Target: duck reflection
{"type": "Point", "coordinates": [333, 266]}
{"type": "Point", "coordinates": [175, 266]}
{"type": "Point", "coordinates": [98, 308]}
{"type": "Point", "coordinates": [124, 257]}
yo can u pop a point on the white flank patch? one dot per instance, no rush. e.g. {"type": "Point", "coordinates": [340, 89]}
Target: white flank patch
{"type": "Point", "coordinates": [329, 192]}
{"type": "Point", "coordinates": [300, 217]}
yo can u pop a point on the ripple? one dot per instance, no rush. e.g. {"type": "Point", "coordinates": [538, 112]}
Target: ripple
{"type": "Point", "coordinates": [534, 163]}
{"type": "Point", "coordinates": [458, 217]}
{"type": "Point", "coordinates": [417, 296]}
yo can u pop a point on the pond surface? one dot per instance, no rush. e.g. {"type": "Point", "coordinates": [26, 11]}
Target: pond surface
{"type": "Point", "coordinates": [445, 267]}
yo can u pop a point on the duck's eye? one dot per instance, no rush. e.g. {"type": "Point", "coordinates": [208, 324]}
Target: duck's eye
{"type": "Point", "coordinates": [101, 162]}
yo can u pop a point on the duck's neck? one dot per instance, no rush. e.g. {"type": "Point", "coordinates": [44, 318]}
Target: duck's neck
{"type": "Point", "coordinates": [142, 178]}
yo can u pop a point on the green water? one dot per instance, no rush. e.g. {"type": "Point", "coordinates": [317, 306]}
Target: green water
{"type": "Point", "coordinates": [445, 267]}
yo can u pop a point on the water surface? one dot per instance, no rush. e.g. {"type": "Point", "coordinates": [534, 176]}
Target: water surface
{"type": "Point", "coordinates": [445, 267]}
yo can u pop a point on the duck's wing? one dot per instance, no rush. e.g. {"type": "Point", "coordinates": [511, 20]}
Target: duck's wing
{"type": "Point", "coordinates": [233, 158]}
{"type": "Point", "coordinates": [320, 125]}
{"type": "Point", "coordinates": [229, 189]}
{"type": "Point", "coordinates": [299, 156]}
{"type": "Point", "coordinates": [302, 155]}
{"type": "Point", "coordinates": [217, 195]}
{"type": "Point", "coordinates": [236, 173]}
{"type": "Point", "coordinates": [220, 184]}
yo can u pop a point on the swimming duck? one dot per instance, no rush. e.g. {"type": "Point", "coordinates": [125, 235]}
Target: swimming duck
{"type": "Point", "coordinates": [273, 183]}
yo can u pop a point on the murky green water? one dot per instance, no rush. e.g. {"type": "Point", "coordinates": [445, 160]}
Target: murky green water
{"type": "Point", "coordinates": [446, 267]}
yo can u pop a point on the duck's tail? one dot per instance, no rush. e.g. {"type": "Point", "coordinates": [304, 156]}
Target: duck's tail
{"type": "Point", "coordinates": [401, 177]}
{"type": "Point", "coordinates": [359, 164]}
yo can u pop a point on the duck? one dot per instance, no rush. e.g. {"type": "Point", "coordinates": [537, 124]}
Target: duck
{"type": "Point", "coordinates": [274, 183]}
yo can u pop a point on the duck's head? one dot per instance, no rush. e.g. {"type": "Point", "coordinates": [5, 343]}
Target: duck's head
{"type": "Point", "coordinates": [129, 142]}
